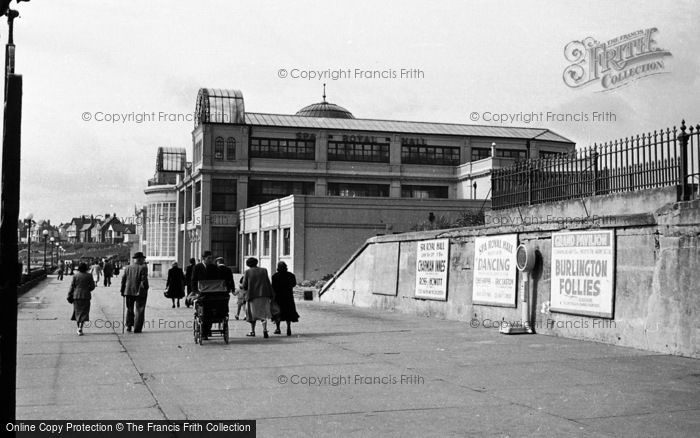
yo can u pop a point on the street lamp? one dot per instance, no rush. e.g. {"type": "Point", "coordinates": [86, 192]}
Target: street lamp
{"type": "Point", "coordinates": [57, 246]}
{"type": "Point", "coordinates": [45, 233]}
{"type": "Point", "coordinates": [28, 225]}
{"type": "Point", "coordinates": [52, 243]}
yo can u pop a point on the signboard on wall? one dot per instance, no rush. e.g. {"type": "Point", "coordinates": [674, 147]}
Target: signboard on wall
{"type": "Point", "coordinates": [583, 272]}
{"type": "Point", "coordinates": [432, 260]}
{"type": "Point", "coordinates": [495, 270]}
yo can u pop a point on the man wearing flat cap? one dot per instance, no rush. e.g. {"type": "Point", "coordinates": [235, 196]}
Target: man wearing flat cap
{"type": "Point", "coordinates": [135, 289]}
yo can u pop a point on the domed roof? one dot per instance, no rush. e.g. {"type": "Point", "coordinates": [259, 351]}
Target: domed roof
{"type": "Point", "coordinates": [325, 109]}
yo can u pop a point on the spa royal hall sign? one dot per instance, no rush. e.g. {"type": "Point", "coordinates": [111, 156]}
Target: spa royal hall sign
{"type": "Point", "coordinates": [431, 269]}
{"type": "Point", "coordinates": [582, 272]}
{"type": "Point", "coordinates": [495, 270]}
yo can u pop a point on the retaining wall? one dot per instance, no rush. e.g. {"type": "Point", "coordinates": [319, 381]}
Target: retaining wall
{"type": "Point", "coordinates": [657, 273]}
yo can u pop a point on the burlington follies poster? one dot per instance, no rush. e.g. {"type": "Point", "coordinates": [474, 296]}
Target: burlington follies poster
{"type": "Point", "coordinates": [495, 270]}
{"type": "Point", "coordinates": [582, 272]}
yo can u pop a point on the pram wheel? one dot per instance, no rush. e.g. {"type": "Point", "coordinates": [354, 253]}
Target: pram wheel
{"type": "Point", "coordinates": [197, 331]}
{"type": "Point", "coordinates": [226, 330]}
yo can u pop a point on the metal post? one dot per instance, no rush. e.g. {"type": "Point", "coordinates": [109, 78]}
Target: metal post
{"type": "Point", "coordinates": [9, 266]}
{"type": "Point", "coordinates": [29, 247]}
{"type": "Point", "coordinates": [594, 157]}
{"type": "Point", "coordinates": [683, 137]}
{"type": "Point", "coordinates": [45, 238]}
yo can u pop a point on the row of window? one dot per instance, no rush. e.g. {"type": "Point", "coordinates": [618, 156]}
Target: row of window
{"type": "Point", "coordinates": [269, 237]}
{"type": "Point", "coordinates": [353, 151]}
{"type": "Point", "coordinates": [224, 194]}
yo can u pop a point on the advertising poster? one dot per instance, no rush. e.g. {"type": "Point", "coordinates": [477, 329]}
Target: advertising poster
{"type": "Point", "coordinates": [582, 273]}
{"type": "Point", "coordinates": [432, 259]}
{"type": "Point", "coordinates": [495, 270]}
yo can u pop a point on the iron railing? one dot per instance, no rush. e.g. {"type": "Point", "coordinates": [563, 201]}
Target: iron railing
{"type": "Point", "coordinates": [663, 158]}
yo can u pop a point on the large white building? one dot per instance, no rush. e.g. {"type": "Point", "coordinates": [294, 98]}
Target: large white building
{"type": "Point", "coordinates": [242, 159]}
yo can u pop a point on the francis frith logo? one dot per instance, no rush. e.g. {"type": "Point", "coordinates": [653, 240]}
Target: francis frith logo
{"type": "Point", "coordinates": [616, 62]}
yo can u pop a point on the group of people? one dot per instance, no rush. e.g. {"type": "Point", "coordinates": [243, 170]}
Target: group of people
{"type": "Point", "coordinates": [98, 268]}
{"type": "Point", "coordinates": [134, 289]}
{"type": "Point", "coordinates": [262, 299]}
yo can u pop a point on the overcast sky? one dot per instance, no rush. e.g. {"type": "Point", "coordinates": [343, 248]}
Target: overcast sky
{"type": "Point", "coordinates": [126, 56]}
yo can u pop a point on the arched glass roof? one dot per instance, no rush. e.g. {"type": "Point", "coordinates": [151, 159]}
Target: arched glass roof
{"type": "Point", "coordinates": [215, 105]}
{"type": "Point", "coordinates": [170, 159]}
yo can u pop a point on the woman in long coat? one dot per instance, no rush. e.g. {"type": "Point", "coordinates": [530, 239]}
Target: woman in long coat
{"type": "Point", "coordinates": [175, 284]}
{"type": "Point", "coordinates": [283, 283]}
{"type": "Point", "coordinates": [257, 283]}
{"type": "Point", "coordinates": [80, 295]}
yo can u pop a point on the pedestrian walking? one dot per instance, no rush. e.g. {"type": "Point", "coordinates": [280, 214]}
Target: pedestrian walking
{"type": "Point", "coordinates": [226, 273]}
{"type": "Point", "coordinates": [241, 298]}
{"type": "Point", "coordinates": [96, 272]}
{"type": "Point", "coordinates": [283, 283]}
{"type": "Point", "coordinates": [135, 289]}
{"type": "Point", "coordinates": [175, 284]}
{"type": "Point", "coordinates": [80, 294]}
{"type": "Point", "coordinates": [257, 283]}
{"type": "Point", "coordinates": [188, 279]}
{"type": "Point", "coordinates": [108, 271]}
{"type": "Point", "coordinates": [61, 269]}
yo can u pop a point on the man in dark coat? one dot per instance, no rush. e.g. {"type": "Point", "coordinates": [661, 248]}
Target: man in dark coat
{"type": "Point", "coordinates": [188, 279]}
{"type": "Point", "coordinates": [108, 271]}
{"type": "Point", "coordinates": [135, 289]}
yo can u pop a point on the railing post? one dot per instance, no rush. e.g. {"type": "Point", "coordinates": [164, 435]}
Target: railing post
{"type": "Point", "coordinates": [683, 139]}
{"type": "Point", "coordinates": [529, 182]}
{"type": "Point", "coordinates": [594, 157]}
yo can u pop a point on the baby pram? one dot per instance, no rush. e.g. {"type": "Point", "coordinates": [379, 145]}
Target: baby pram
{"type": "Point", "coordinates": [211, 309]}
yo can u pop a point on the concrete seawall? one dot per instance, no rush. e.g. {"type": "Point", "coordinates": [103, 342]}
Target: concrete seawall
{"type": "Point", "coordinates": [656, 276]}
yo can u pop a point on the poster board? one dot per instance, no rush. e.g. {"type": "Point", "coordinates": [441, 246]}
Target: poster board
{"type": "Point", "coordinates": [583, 273]}
{"type": "Point", "coordinates": [432, 261]}
{"type": "Point", "coordinates": [495, 270]}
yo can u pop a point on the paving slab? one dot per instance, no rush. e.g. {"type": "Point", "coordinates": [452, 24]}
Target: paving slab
{"type": "Point", "coordinates": [346, 371]}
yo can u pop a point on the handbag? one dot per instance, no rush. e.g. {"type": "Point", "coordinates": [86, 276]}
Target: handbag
{"type": "Point", "coordinates": [274, 308]}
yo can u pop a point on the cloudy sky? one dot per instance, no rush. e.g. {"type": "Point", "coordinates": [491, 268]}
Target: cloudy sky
{"type": "Point", "coordinates": [134, 57]}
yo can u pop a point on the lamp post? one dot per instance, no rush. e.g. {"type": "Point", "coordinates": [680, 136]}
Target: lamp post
{"type": "Point", "coordinates": [57, 246]}
{"type": "Point", "coordinates": [52, 243]}
{"type": "Point", "coordinates": [9, 215]}
{"type": "Point", "coordinates": [45, 233]}
{"type": "Point", "coordinates": [28, 225]}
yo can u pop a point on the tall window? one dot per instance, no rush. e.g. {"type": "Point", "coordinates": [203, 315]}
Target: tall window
{"type": "Point", "coordinates": [260, 192]}
{"type": "Point", "coordinates": [223, 194]}
{"type": "Point", "coordinates": [353, 151]}
{"type": "Point", "coordinates": [282, 148]}
{"type": "Point", "coordinates": [197, 194]}
{"type": "Point", "coordinates": [358, 190]}
{"type": "Point", "coordinates": [436, 155]}
{"type": "Point", "coordinates": [246, 244]}
{"type": "Point", "coordinates": [253, 244]}
{"type": "Point", "coordinates": [424, 192]}
{"type": "Point", "coordinates": [266, 243]}
{"type": "Point", "coordinates": [219, 148]}
{"type": "Point", "coordinates": [230, 149]}
{"type": "Point", "coordinates": [197, 155]}
{"type": "Point", "coordinates": [480, 153]}
{"type": "Point", "coordinates": [286, 241]}
{"type": "Point", "coordinates": [223, 243]}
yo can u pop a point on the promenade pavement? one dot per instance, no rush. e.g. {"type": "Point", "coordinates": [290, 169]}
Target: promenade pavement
{"type": "Point", "coordinates": [345, 372]}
